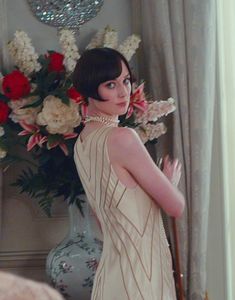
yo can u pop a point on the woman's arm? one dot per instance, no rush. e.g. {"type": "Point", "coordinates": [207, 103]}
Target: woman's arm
{"type": "Point", "coordinates": [127, 150]}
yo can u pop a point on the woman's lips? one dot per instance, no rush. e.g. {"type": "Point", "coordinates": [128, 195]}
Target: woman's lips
{"type": "Point", "coordinates": [122, 104]}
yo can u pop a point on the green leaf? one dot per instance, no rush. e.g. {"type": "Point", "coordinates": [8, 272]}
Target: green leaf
{"type": "Point", "coordinates": [54, 138]}
{"type": "Point", "coordinates": [64, 98]}
{"type": "Point", "coordinates": [46, 204]}
{"type": "Point", "coordinates": [4, 98]}
{"type": "Point", "coordinates": [51, 77]}
{"type": "Point", "coordinates": [67, 84]}
{"type": "Point", "coordinates": [43, 60]}
{"type": "Point", "coordinates": [79, 203]}
{"type": "Point", "coordinates": [28, 182]}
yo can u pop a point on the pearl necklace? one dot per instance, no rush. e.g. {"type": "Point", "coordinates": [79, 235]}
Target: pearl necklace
{"type": "Point", "coordinates": [101, 119]}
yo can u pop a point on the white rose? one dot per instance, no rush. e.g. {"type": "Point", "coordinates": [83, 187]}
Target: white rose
{"type": "Point", "coordinates": [28, 115]}
{"type": "Point", "coordinates": [58, 117]}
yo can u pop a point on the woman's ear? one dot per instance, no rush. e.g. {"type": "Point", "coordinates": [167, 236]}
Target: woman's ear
{"type": "Point", "coordinates": [90, 100]}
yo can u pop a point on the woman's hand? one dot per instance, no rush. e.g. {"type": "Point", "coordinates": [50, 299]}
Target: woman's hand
{"type": "Point", "coordinates": [172, 170]}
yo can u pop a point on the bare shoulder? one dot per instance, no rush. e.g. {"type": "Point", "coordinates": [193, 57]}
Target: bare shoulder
{"type": "Point", "coordinates": [123, 137]}
{"type": "Point", "coordinates": [124, 144]}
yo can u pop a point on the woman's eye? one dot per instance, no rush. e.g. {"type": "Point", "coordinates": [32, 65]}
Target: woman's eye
{"type": "Point", "coordinates": [110, 85]}
{"type": "Point", "coordinates": [127, 81]}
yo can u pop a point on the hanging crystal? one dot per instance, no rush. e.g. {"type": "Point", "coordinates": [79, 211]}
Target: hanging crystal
{"type": "Point", "coordinates": [65, 13]}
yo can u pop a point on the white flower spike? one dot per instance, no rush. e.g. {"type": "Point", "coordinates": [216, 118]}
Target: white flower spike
{"type": "Point", "coordinates": [23, 53]}
{"type": "Point", "coordinates": [69, 49]}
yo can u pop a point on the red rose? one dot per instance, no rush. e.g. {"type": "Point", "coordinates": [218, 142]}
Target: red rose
{"type": "Point", "coordinates": [4, 112]}
{"type": "Point", "coordinates": [15, 85]}
{"type": "Point", "coordinates": [55, 62]}
{"type": "Point", "coordinates": [75, 95]}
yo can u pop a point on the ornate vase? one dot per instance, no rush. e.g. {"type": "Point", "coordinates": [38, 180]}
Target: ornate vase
{"type": "Point", "coordinates": [72, 264]}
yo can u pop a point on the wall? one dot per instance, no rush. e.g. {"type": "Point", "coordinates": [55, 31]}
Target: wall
{"type": "Point", "coordinates": [26, 234]}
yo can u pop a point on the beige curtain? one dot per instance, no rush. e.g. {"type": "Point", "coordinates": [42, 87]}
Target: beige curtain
{"type": "Point", "coordinates": [178, 46]}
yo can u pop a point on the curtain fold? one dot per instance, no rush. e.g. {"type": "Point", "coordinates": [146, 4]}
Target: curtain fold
{"type": "Point", "coordinates": [179, 47]}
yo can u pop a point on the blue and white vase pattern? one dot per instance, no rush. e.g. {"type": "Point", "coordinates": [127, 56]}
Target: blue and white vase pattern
{"type": "Point", "coordinates": [71, 265]}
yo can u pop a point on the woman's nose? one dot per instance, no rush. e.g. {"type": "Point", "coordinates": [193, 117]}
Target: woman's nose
{"type": "Point", "coordinates": [122, 91]}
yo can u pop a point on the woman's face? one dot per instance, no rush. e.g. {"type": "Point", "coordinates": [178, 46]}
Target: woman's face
{"type": "Point", "coordinates": [116, 92]}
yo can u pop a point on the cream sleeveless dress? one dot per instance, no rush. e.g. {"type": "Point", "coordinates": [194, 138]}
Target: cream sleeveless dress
{"type": "Point", "coordinates": [136, 262]}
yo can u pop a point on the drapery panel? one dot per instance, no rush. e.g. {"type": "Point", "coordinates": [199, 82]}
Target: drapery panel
{"type": "Point", "coordinates": [179, 47]}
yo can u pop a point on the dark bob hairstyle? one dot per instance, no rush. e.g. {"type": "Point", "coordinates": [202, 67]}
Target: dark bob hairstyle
{"type": "Point", "coordinates": [96, 66]}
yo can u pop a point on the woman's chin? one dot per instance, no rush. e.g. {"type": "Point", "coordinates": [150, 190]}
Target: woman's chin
{"type": "Point", "coordinates": [122, 110]}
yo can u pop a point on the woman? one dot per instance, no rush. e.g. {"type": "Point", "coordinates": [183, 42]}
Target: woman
{"type": "Point", "coordinates": [124, 186]}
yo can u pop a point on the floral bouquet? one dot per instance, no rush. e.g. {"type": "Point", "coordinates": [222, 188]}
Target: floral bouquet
{"type": "Point", "coordinates": [41, 111]}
